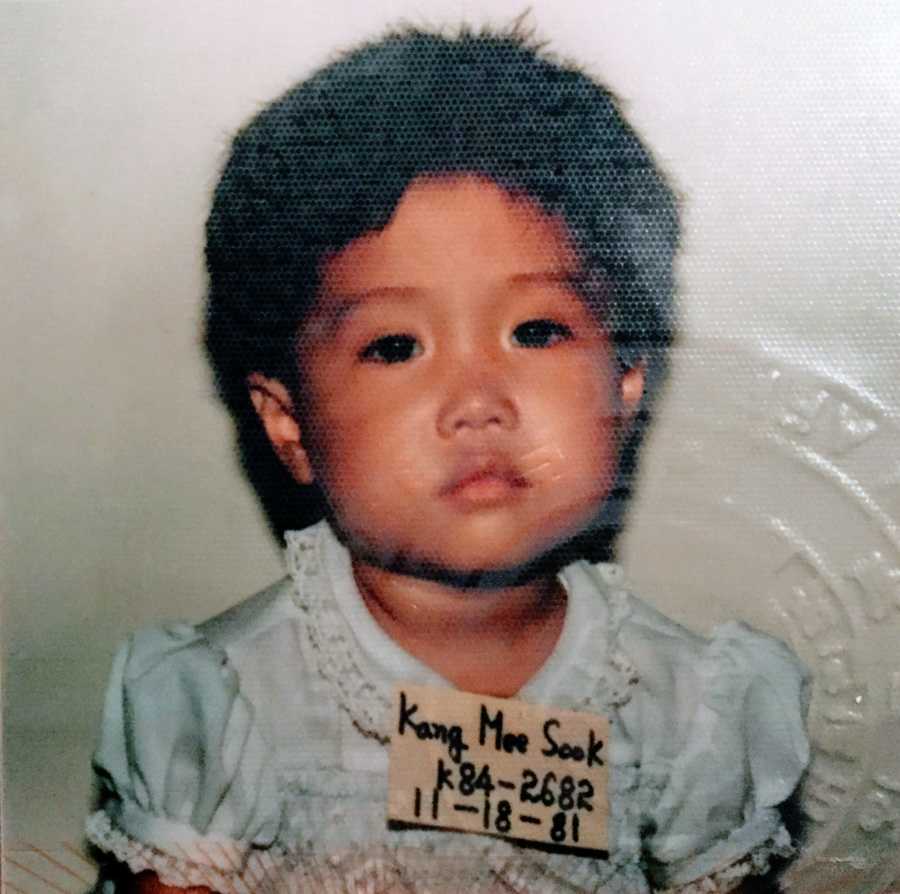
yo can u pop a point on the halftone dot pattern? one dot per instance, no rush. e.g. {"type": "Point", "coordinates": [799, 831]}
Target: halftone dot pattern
{"type": "Point", "coordinates": [769, 488]}
{"type": "Point", "coordinates": [328, 162]}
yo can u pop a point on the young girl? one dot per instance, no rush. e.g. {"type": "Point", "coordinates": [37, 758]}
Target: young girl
{"type": "Point", "coordinates": [441, 273]}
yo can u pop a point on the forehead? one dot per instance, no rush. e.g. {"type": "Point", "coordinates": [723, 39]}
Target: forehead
{"type": "Point", "coordinates": [439, 223]}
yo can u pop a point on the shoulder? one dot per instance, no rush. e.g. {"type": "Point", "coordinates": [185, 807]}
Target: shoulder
{"type": "Point", "coordinates": [270, 608]}
{"type": "Point", "coordinates": [719, 724]}
{"type": "Point", "coordinates": [251, 617]}
{"type": "Point", "coordinates": [186, 777]}
{"type": "Point", "coordinates": [665, 653]}
{"type": "Point", "coordinates": [169, 643]}
{"type": "Point", "coordinates": [171, 686]}
{"type": "Point", "coordinates": [198, 670]}
{"type": "Point", "coordinates": [735, 660]}
{"type": "Point", "coordinates": [213, 663]}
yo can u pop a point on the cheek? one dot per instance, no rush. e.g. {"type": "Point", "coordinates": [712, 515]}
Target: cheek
{"type": "Point", "coordinates": [574, 412]}
{"type": "Point", "coordinates": [371, 443]}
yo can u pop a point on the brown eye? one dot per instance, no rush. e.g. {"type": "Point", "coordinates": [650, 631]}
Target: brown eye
{"type": "Point", "coordinates": [391, 349]}
{"type": "Point", "coordinates": [541, 333]}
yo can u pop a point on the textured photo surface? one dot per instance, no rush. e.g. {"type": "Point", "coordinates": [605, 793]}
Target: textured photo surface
{"type": "Point", "coordinates": [548, 358]}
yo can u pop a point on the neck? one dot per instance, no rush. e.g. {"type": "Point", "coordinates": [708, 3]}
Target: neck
{"type": "Point", "coordinates": [483, 640]}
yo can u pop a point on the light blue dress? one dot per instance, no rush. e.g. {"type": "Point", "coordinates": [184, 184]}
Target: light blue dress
{"type": "Point", "coordinates": [248, 753]}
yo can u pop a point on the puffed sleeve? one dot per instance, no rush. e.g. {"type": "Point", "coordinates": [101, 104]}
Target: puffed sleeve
{"type": "Point", "coordinates": [746, 748]}
{"type": "Point", "coordinates": [187, 783]}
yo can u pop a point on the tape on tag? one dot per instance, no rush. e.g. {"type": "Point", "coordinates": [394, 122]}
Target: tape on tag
{"type": "Point", "coordinates": [499, 767]}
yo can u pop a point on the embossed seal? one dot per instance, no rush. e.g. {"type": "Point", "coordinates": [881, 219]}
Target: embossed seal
{"type": "Point", "coordinates": [798, 535]}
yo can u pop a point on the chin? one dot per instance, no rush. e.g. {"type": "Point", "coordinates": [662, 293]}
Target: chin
{"type": "Point", "coordinates": [481, 554]}
{"type": "Point", "coordinates": [478, 568]}
{"type": "Point", "coordinates": [483, 557]}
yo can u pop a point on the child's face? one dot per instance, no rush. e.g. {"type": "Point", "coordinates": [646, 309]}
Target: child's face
{"type": "Point", "coordinates": [461, 408]}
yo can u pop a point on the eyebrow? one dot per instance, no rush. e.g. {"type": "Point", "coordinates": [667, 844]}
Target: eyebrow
{"type": "Point", "coordinates": [329, 320]}
{"type": "Point", "coordinates": [347, 303]}
{"type": "Point", "coordinates": [344, 304]}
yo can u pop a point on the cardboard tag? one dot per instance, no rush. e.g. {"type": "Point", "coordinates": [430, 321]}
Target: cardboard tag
{"type": "Point", "coordinates": [499, 767]}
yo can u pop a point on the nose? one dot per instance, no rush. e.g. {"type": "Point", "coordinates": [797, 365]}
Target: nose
{"type": "Point", "coordinates": [477, 404]}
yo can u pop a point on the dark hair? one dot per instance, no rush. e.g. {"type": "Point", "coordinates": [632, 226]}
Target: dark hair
{"type": "Point", "coordinates": [330, 159]}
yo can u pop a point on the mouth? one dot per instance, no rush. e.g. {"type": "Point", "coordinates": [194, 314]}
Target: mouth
{"type": "Point", "coordinates": [485, 481]}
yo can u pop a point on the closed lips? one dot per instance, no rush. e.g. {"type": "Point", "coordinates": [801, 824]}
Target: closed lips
{"type": "Point", "coordinates": [474, 473]}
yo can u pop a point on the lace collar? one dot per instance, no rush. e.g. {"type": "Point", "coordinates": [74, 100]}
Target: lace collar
{"type": "Point", "coordinates": [586, 671]}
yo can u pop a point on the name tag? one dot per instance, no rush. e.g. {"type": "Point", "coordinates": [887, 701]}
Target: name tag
{"type": "Point", "coordinates": [499, 767]}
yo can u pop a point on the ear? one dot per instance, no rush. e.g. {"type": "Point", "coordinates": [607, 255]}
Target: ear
{"type": "Point", "coordinates": [631, 390]}
{"type": "Point", "coordinates": [275, 409]}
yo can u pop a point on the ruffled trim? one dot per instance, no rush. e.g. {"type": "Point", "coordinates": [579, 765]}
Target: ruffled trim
{"type": "Point", "coordinates": [747, 850]}
{"type": "Point", "coordinates": [626, 674]}
{"type": "Point", "coordinates": [367, 702]}
{"type": "Point", "coordinates": [746, 744]}
{"type": "Point", "coordinates": [592, 685]}
{"type": "Point", "coordinates": [181, 760]}
{"type": "Point", "coordinates": [398, 870]}
{"type": "Point", "coordinates": [757, 862]}
{"type": "Point", "coordinates": [227, 868]}
{"type": "Point", "coordinates": [350, 807]}
{"type": "Point", "coordinates": [493, 867]}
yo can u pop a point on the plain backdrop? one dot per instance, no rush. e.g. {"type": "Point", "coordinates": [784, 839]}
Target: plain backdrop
{"type": "Point", "coordinates": [121, 497]}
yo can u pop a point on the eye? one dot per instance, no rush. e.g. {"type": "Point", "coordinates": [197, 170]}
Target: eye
{"type": "Point", "coordinates": [541, 333]}
{"type": "Point", "coordinates": [391, 349]}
